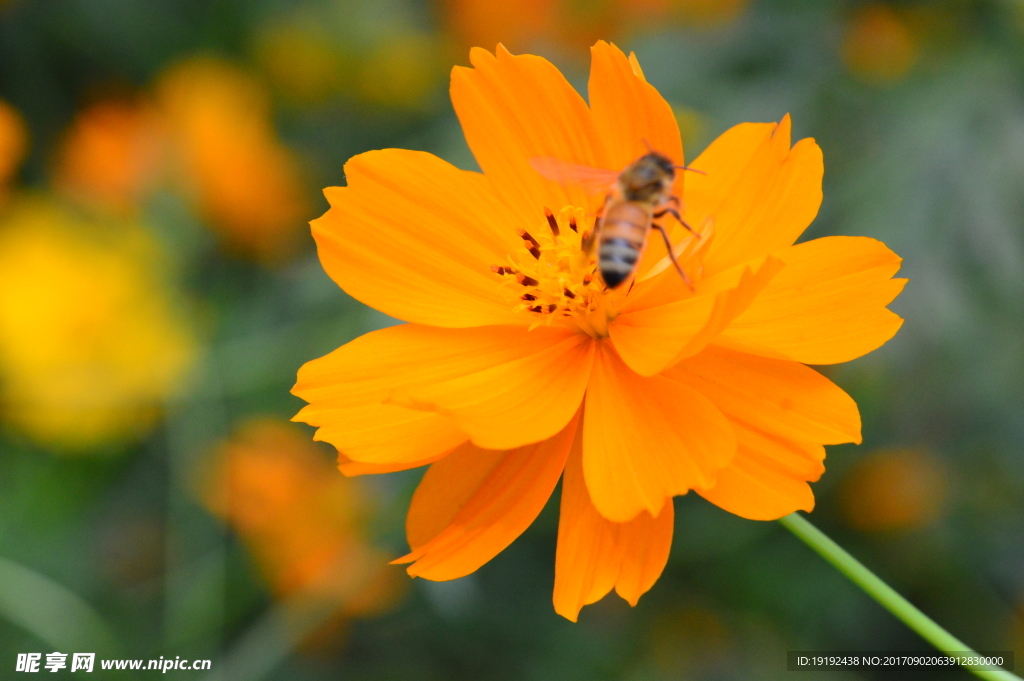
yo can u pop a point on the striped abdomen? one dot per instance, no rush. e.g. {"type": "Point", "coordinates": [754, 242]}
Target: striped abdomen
{"type": "Point", "coordinates": [623, 232]}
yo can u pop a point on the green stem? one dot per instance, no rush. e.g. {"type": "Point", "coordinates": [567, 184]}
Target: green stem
{"type": "Point", "coordinates": [884, 594]}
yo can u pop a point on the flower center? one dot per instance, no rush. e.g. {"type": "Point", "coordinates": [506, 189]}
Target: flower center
{"type": "Point", "coordinates": [553, 277]}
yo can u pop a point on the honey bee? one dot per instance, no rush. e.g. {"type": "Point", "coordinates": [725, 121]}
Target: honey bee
{"type": "Point", "coordinates": [636, 197]}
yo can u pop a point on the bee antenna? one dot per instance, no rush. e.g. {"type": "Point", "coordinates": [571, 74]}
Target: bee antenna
{"type": "Point", "coordinates": [692, 170]}
{"type": "Point", "coordinates": [647, 144]}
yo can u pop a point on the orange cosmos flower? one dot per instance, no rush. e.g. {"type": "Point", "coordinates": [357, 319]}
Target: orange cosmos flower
{"type": "Point", "coordinates": [304, 526]}
{"type": "Point", "coordinates": [518, 367]}
{"type": "Point", "coordinates": [13, 144]}
{"type": "Point", "coordinates": [245, 182]}
{"type": "Point", "coordinates": [879, 46]}
{"type": "Point", "coordinates": [566, 23]}
{"type": "Point", "coordinates": [111, 154]}
{"type": "Point", "coordinates": [894, 490]}
{"type": "Point", "coordinates": [475, 22]}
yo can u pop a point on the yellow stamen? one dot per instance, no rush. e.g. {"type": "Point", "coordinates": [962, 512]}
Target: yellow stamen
{"type": "Point", "coordinates": [557, 281]}
{"type": "Point", "coordinates": [552, 277]}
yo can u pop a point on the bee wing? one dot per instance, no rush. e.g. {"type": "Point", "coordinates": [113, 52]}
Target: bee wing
{"type": "Point", "coordinates": [592, 180]}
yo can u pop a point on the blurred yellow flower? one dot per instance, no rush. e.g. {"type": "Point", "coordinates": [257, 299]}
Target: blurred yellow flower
{"type": "Point", "coordinates": [303, 523]}
{"type": "Point", "coordinates": [110, 154]}
{"type": "Point", "coordinates": [245, 182]}
{"type": "Point", "coordinates": [706, 12]}
{"type": "Point", "coordinates": [401, 71]}
{"type": "Point", "coordinates": [90, 343]}
{"type": "Point", "coordinates": [13, 143]}
{"type": "Point", "coordinates": [894, 489]}
{"type": "Point", "coordinates": [302, 62]}
{"type": "Point", "coordinates": [879, 47]}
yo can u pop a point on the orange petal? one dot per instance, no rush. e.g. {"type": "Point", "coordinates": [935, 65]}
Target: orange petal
{"type": "Point", "coordinates": [757, 194]}
{"type": "Point", "coordinates": [632, 118]}
{"type": "Point", "coordinates": [351, 391]}
{"type": "Point", "coordinates": [768, 478]}
{"type": "Point", "coordinates": [474, 502]}
{"type": "Point", "coordinates": [595, 554]}
{"type": "Point", "coordinates": [383, 434]}
{"type": "Point", "coordinates": [732, 303]}
{"type": "Point", "coordinates": [647, 439]}
{"type": "Point", "coordinates": [444, 490]}
{"type": "Point", "coordinates": [650, 339]}
{"type": "Point", "coordinates": [514, 108]}
{"type": "Point", "coordinates": [629, 112]}
{"type": "Point", "coordinates": [777, 397]}
{"type": "Point", "coordinates": [827, 305]}
{"type": "Point", "coordinates": [351, 468]}
{"type": "Point", "coordinates": [527, 397]}
{"type": "Point", "coordinates": [415, 238]}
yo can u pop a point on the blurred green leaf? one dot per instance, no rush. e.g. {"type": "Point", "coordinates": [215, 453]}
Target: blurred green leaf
{"type": "Point", "coordinates": [52, 612]}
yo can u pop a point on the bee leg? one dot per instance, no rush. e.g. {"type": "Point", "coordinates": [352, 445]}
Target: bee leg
{"type": "Point", "coordinates": [675, 213]}
{"type": "Point", "coordinates": [589, 239]}
{"type": "Point", "coordinates": [672, 255]}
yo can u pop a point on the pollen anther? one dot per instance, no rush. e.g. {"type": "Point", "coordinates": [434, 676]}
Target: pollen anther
{"type": "Point", "coordinates": [552, 222]}
{"type": "Point", "coordinates": [532, 245]}
{"type": "Point", "coordinates": [560, 279]}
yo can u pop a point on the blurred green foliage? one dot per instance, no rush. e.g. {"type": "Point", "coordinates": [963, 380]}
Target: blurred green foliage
{"type": "Point", "coordinates": [919, 108]}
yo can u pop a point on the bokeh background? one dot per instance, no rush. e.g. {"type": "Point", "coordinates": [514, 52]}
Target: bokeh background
{"type": "Point", "coordinates": [159, 161]}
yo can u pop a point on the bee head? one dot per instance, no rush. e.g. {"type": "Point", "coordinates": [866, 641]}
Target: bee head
{"type": "Point", "coordinates": [649, 178]}
{"type": "Point", "coordinates": [661, 162]}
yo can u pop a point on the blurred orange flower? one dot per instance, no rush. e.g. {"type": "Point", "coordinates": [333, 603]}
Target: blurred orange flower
{"type": "Point", "coordinates": [90, 341]}
{"type": "Point", "coordinates": [484, 22]}
{"type": "Point", "coordinates": [303, 523]}
{"type": "Point", "coordinates": [571, 23]}
{"type": "Point", "coordinates": [894, 489]}
{"type": "Point", "coordinates": [13, 143]}
{"type": "Point", "coordinates": [1016, 636]}
{"type": "Point", "coordinates": [686, 641]}
{"type": "Point", "coordinates": [519, 367]}
{"type": "Point", "coordinates": [111, 154]}
{"type": "Point", "coordinates": [879, 47]}
{"type": "Point", "coordinates": [246, 183]}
